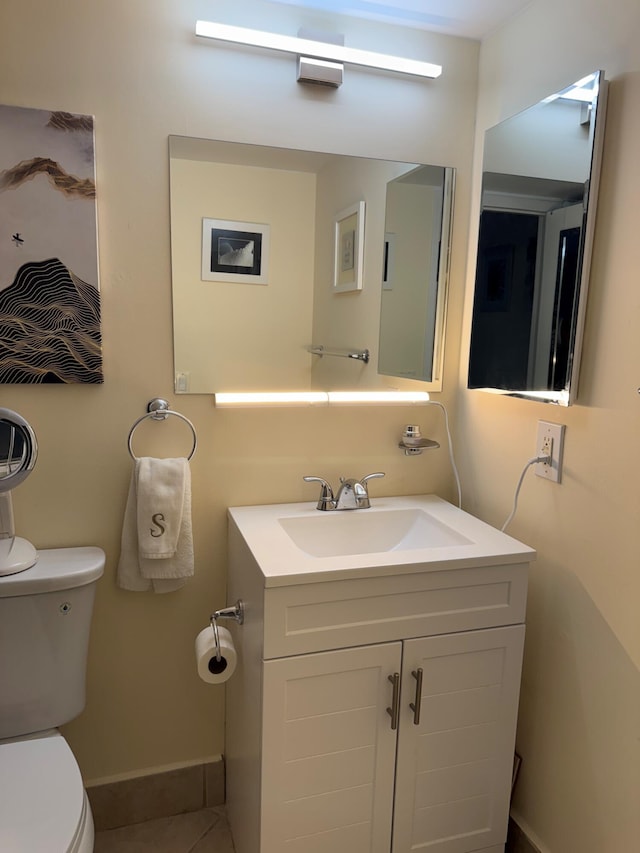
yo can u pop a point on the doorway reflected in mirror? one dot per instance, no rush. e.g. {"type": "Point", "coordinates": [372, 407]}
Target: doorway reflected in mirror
{"type": "Point", "coordinates": [539, 187]}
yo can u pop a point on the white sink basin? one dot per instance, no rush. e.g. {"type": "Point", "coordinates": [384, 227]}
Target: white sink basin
{"type": "Point", "coordinates": [296, 543]}
{"type": "Point", "coordinates": [330, 534]}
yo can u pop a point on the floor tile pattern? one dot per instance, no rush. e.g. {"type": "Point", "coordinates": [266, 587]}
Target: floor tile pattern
{"type": "Point", "coordinates": [207, 831]}
{"type": "Point", "coordinates": [204, 831]}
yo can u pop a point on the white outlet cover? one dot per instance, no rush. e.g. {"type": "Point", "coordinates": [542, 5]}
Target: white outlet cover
{"type": "Point", "coordinates": [548, 430]}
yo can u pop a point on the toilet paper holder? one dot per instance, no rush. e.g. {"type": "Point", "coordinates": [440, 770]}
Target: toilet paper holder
{"type": "Point", "coordinates": [236, 612]}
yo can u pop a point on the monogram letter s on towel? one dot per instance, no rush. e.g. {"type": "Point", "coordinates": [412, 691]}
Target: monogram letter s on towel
{"type": "Point", "coordinates": [157, 519]}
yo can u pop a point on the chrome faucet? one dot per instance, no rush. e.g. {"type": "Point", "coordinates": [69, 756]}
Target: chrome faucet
{"type": "Point", "coordinates": [352, 494]}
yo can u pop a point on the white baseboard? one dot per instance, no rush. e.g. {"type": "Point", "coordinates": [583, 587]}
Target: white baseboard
{"type": "Point", "coordinates": [536, 845]}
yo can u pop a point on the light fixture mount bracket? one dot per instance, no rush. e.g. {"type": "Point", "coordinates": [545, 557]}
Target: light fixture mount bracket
{"type": "Point", "coordinates": [320, 72]}
{"type": "Point", "coordinates": [316, 71]}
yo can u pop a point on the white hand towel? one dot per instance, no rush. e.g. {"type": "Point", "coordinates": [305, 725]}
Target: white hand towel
{"type": "Point", "coordinates": [160, 492]}
{"type": "Point", "coordinates": [129, 576]}
{"type": "Point", "coordinates": [144, 562]}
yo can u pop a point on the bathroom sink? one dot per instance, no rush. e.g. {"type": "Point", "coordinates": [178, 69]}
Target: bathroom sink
{"type": "Point", "coordinates": [330, 534]}
{"type": "Point", "coordinates": [297, 543]}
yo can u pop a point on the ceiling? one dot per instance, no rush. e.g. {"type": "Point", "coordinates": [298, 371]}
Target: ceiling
{"type": "Point", "coordinates": [468, 18]}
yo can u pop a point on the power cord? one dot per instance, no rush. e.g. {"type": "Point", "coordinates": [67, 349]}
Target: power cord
{"type": "Point", "coordinates": [531, 462]}
{"type": "Point", "coordinates": [453, 461]}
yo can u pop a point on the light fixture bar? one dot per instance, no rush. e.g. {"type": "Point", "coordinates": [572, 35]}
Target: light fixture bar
{"type": "Point", "coordinates": [316, 49]}
{"type": "Point", "coordinates": [369, 398]}
{"type": "Point", "coordinates": [270, 398]}
{"type": "Point", "coordinates": [239, 400]}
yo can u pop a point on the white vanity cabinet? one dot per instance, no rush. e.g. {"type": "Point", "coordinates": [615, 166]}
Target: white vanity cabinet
{"type": "Point", "coordinates": [374, 710]}
{"type": "Point", "coordinates": [328, 752]}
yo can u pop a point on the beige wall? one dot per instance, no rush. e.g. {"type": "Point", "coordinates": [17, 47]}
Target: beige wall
{"type": "Point", "coordinates": [580, 703]}
{"type": "Point", "coordinates": [258, 332]}
{"type": "Point", "coordinates": [138, 68]}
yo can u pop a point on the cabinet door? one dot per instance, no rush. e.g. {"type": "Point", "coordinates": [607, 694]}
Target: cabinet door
{"type": "Point", "coordinates": [454, 767]}
{"type": "Point", "coordinates": [329, 752]}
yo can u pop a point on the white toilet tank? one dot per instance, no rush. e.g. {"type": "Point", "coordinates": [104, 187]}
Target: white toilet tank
{"type": "Point", "coordinates": [45, 617]}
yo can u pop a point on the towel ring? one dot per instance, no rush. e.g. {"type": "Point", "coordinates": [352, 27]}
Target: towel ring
{"type": "Point", "coordinates": [159, 410]}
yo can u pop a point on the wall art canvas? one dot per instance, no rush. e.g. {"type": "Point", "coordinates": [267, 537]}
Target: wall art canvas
{"type": "Point", "coordinates": [49, 288]}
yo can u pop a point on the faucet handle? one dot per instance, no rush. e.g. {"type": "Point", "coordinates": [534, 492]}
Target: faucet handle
{"type": "Point", "coordinates": [326, 492]}
{"type": "Point", "coordinates": [325, 484]}
{"type": "Point", "coordinates": [371, 477]}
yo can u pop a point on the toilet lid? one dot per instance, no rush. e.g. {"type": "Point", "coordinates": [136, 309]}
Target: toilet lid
{"type": "Point", "coordinates": [42, 795]}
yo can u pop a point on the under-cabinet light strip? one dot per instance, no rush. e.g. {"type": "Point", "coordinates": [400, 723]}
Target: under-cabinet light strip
{"type": "Point", "coordinates": [393, 398]}
{"type": "Point", "coordinates": [268, 398]}
{"type": "Point", "coordinates": [316, 49]}
{"type": "Point", "coordinates": [319, 398]}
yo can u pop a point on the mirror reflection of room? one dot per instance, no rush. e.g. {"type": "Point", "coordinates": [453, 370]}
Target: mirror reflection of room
{"type": "Point", "coordinates": [235, 330]}
{"type": "Point", "coordinates": [539, 186]}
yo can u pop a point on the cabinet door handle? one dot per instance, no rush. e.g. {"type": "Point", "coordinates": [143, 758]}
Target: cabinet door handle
{"type": "Point", "coordinates": [415, 706]}
{"type": "Point", "coordinates": [394, 710]}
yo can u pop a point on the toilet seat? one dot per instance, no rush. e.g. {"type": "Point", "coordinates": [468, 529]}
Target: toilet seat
{"type": "Point", "coordinates": [43, 805]}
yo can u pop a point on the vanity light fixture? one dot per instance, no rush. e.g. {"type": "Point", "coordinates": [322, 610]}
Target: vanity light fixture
{"type": "Point", "coordinates": [319, 398]}
{"type": "Point", "coordinates": [245, 399]}
{"type": "Point", "coordinates": [365, 398]}
{"type": "Point", "coordinates": [316, 49]}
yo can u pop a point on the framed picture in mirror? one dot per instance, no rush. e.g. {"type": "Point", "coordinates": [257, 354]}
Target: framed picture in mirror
{"type": "Point", "coordinates": [235, 251]}
{"type": "Point", "coordinates": [388, 260]}
{"type": "Point", "coordinates": [349, 248]}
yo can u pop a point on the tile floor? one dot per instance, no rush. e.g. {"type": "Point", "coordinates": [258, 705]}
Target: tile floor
{"type": "Point", "coordinates": [207, 831]}
{"type": "Point", "coordinates": [204, 831]}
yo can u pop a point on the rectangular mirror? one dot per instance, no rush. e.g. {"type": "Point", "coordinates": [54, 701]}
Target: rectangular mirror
{"type": "Point", "coordinates": [251, 307]}
{"type": "Point", "coordinates": [539, 188]}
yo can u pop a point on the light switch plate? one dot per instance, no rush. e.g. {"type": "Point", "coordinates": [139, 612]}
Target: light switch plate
{"type": "Point", "coordinates": [182, 381]}
{"type": "Point", "coordinates": [550, 436]}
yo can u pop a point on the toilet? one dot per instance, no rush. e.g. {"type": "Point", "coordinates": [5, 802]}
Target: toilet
{"type": "Point", "coordinates": [45, 617]}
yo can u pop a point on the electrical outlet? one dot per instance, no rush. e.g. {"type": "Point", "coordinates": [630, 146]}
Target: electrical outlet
{"type": "Point", "coordinates": [550, 442]}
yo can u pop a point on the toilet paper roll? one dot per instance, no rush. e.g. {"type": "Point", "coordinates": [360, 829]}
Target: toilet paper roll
{"type": "Point", "coordinates": [209, 669]}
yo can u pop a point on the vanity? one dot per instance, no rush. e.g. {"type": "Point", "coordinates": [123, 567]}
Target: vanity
{"type": "Point", "coordinates": [374, 704]}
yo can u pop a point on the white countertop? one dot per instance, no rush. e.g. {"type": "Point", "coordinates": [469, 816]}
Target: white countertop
{"type": "Point", "coordinates": [284, 563]}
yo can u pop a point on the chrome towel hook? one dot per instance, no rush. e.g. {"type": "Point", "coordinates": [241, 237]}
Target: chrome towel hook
{"type": "Point", "coordinates": [158, 410]}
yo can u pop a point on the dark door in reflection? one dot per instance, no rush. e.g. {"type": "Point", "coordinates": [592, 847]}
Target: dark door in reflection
{"type": "Point", "coordinates": [503, 305]}
{"type": "Point", "coordinates": [524, 313]}
{"type": "Point", "coordinates": [564, 308]}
